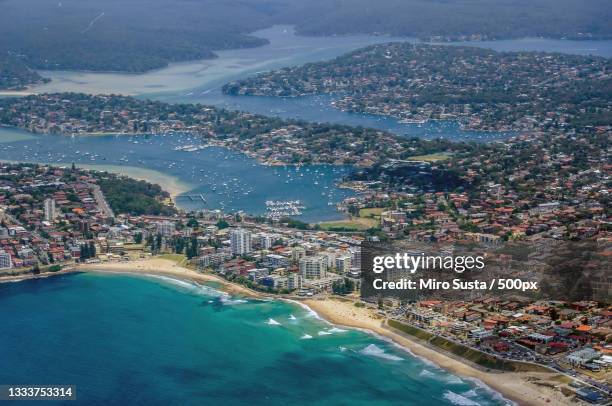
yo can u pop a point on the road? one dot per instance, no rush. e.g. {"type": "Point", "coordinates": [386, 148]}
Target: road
{"type": "Point", "coordinates": [101, 201]}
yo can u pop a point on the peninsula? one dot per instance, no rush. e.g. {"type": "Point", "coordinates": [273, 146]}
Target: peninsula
{"type": "Point", "coordinates": [482, 89]}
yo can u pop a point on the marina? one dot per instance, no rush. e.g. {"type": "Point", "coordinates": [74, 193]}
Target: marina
{"type": "Point", "coordinates": [215, 177]}
{"type": "Point", "coordinates": [277, 209]}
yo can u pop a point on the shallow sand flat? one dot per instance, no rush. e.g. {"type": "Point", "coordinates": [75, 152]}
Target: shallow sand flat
{"type": "Point", "coordinates": [170, 184]}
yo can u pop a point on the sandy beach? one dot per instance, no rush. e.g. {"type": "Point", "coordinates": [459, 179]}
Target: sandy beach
{"type": "Point", "coordinates": [15, 93]}
{"type": "Point", "coordinates": [518, 387]}
{"type": "Point", "coordinates": [523, 388]}
{"type": "Point", "coordinates": [169, 268]}
{"type": "Point", "coordinates": [170, 184]}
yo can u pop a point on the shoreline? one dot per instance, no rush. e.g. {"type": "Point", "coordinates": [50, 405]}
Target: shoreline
{"type": "Point", "coordinates": [173, 185]}
{"type": "Point", "coordinates": [168, 268]}
{"type": "Point", "coordinates": [517, 387]}
{"type": "Point", "coordinates": [16, 93]}
{"type": "Point", "coordinates": [30, 276]}
{"type": "Point", "coordinates": [521, 388]}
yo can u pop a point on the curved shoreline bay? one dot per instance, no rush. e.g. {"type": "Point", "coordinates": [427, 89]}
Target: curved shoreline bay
{"type": "Point", "coordinates": [175, 342]}
{"type": "Point", "coordinates": [225, 179]}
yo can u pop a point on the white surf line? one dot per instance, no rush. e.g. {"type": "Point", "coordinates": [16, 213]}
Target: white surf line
{"type": "Point", "coordinates": [407, 350]}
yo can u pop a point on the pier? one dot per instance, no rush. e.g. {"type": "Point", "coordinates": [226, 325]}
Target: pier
{"type": "Point", "coordinates": [193, 197]}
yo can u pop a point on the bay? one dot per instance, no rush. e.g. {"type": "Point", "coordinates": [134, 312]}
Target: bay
{"type": "Point", "coordinates": [201, 82]}
{"type": "Point", "coordinates": [146, 341]}
{"type": "Point", "coordinates": [211, 178]}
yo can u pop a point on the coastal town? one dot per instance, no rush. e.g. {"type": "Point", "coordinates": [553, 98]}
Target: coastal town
{"type": "Point", "coordinates": [532, 185]}
{"type": "Point", "coordinates": [57, 219]}
{"type": "Point", "coordinates": [481, 89]}
{"type": "Point", "coordinates": [545, 184]}
{"type": "Point", "coordinates": [271, 140]}
{"type": "Point", "coordinates": [273, 202]}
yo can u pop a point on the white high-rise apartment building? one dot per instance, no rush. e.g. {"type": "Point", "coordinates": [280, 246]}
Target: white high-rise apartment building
{"type": "Point", "coordinates": [240, 241]}
{"type": "Point", "coordinates": [313, 267]}
{"type": "Point", "coordinates": [166, 228]}
{"type": "Point", "coordinates": [265, 240]}
{"type": "Point", "coordinates": [355, 257]}
{"type": "Point", "coordinates": [297, 253]}
{"type": "Point", "coordinates": [50, 211]}
{"type": "Point", "coordinates": [5, 260]}
{"type": "Point", "coordinates": [343, 263]}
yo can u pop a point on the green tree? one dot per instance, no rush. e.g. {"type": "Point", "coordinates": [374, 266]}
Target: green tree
{"type": "Point", "coordinates": [221, 224]}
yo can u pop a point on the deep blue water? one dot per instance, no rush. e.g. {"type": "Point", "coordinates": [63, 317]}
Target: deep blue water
{"type": "Point", "coordinates": [143, 341]}
{"type": "Point", "coordinates": [227, 179]}
{"type": "Point", "coordinates": [201, 81]}
{"type": "Point", "coordinates": [318, 109]}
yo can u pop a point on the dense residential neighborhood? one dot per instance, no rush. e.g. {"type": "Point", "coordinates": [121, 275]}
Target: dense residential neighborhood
{"type": "Point", "coordinates": [271, 140]}
{"type": "Point", "coordinates": [482, 89]}
{"type": "Point", "coordinates": [56, 217]}
{"type": "Point", "coordinates": [280, 202]}
{"type": "Point", "coordinates": [547, 183]}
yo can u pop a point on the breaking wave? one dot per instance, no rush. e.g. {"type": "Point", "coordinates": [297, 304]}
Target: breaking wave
{"type": "Point", "coordinates": [496, 395]}
{"type": "Point", "coordinates": [227, 300]}
{"type": "Point", "coordinates": [375, 351]}
{"type": "Point", "coordinates": [427, 374]}
{"type": "Point", "coordinates": [337, 330]}
{"type": "Point", "coordinates": [176, 282]}
{"type": "Point", "coordinates": [470, 394]}
{"type": "Point", "coordinates": [453, 380]}
{"type": "Point", "coordinates": [193, 287]}
{"type": "Point", "coordinates": [457, 399]}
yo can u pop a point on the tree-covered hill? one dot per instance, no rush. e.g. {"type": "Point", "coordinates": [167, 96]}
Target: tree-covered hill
{"type": "Point", "coordinates": [134, 197]}
{"type": "Point", "coordinates": [16, 75]}
{"type": "Point", "coordinates": [140, 35]}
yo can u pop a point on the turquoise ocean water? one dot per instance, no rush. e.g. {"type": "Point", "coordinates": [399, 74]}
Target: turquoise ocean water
{"type": "Point", "coordinates": [155, 341]}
